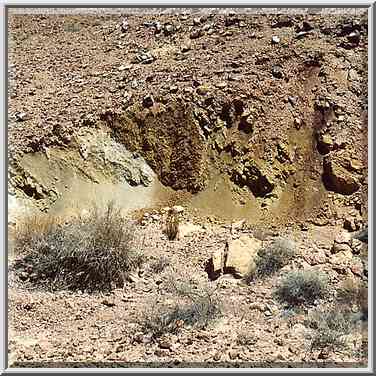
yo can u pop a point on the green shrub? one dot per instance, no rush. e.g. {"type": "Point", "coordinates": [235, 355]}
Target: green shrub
{"type": "Point", "coordinates": [302, 287]}
{"type": "Point", "coordinates": [87, 254]}
{"type": "Point", "coordinates": [274, 256]}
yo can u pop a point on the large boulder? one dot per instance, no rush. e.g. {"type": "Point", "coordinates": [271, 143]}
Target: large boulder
{"type": "Point", "coordinates": [342, 172]}
{"type": "Point", "coordinates": [236, 258]}
{"type": "Point", "coordinates": [241, 254]}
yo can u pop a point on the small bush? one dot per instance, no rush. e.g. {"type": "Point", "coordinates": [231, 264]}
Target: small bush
{"type": "Point", "coordinates": [351, 292]}
{"type": "Point", "coordinates": [160, 264]}
{"type": "Point", "coordinates": [329, 328]}
{"type": "Point", "coordinates": [245, 339]}
{"type": "Point", "coordinates": [302, 287]}
{"type": "Point", "coordinates": [197, 309]}
{"type": "Point", "coordinates": [274, 256]}
{"type": "Point", "coordinates": [172, 225]}
{"type": "Point", "coordinates": [87, 254]}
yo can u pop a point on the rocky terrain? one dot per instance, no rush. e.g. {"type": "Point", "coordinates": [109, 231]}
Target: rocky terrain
{"type": "Point", "coordinates": [254, 125]}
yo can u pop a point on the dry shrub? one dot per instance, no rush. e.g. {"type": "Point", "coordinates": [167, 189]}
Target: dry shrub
{"type": "Point", "coordinates": [172, 225]}
{"type": "Point", "coordinates": [274, 256]}
{"type": "Point", "coordinates": [195, 307]}
{"type": "Point", "coordinates": [330, 327]}
{"type": "Point", "coordinates": [352, 292]}
{"type": "Point", "coordinates": [89, 254]}
{"type": "Point", "coordinates": [300, 287]}
{"type": "Point", "coordinates": [159, 265]}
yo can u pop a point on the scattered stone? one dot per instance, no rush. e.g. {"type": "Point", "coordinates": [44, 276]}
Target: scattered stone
{"type": "Point", "coordinates": [277, 71]}
{"type": "Point", "coordinates": [197, 21]}
{"type": "Point", "coordinates": [343, 237]}
{"type": "Point", "coordinates": [351, 224]}
{"type": "Point", "coordinates": [148, 101]}
{"type": "Point", "coordinates": [20, 116]}
{"type": "Point", "coordinates": [124, 25]}
{"type": "Point", "coordinates": [233, 354]}
{"type": "Point", "coordinates": [297, 123]}
{"type": "Point", "coordinates": [325, 143]}
{"type": "Point", "coordinates": [165, 344]}
{"type": "Point", "coordinates": [217, 356]}
{"type": "Point", "coordinates": [283, 21]}
{"type": "Point", "coordinates": [341, 260]}
{"type": "Point", "coordinates": [340, 247]}
{"type": "Point", "coordinates": [196, 34]}
{"type": "Point", "coordinates": [257, 306]}
{"type": "Point", "coordinates": [354, 37]}
{"type": "Point", "coordinates": [292, 100]}
{"type": "Point", "coordinates": [275, 39]}
{"type": "Point", "coordinates": [144, 57]}
{"type": "Point", "coordinates": [178, 209]}
{"type": "Point", "coordinates": [168, 29]}
{"type": "Point", "coordinates": [108, 303]}
{"type": "Point", "coordinates": [186, 47]}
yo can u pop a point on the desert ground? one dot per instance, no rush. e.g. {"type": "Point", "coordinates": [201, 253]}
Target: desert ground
{"type": "Point", "coordinates": [188, 188]}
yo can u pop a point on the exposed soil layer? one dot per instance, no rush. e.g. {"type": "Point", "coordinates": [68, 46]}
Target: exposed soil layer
{"type": "Point", "coordinates": [261, 118]}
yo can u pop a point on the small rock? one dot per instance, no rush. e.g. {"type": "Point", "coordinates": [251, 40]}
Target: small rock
{"type": "Point", "coordinates": [20, 116]}
{"type": "Point", "coordinates": [343, 237]}
{"type": "Point", "coordinates": [217, 356]}
{"type": "Point", "coordinates": [233, 354]}
{"type": "Point", "coordinates": [165, 344]}
{"type": "Point", "coordinates": [178, 209]}
{"type": "Point", "coordinates": [354, 37]}
{"type": "Point", "coordinates": [340, 247]}
{"type": "Point", "coordinates": [148, 101]}
{"type": "Point", "coordinates": [24, 276]}
{"type": "Point", "coordinates": [293, 100]}
{"type": "Point", "coordinates": [257, 306]}
{"type": "Point", "coordinates": [297, 123]}
{"type": "Point", "coordinates": [197, 21]}
{"type": "Point", "coordinates": [186, 47]}
{"type": "Point", "coordinates": [196, 34]}
{"type": "Point", "coordinates": [275, 39]}
{"type": "Point", "coordinates": [108, 303]}
{"type": "Point", "coordinates": [277, 71]}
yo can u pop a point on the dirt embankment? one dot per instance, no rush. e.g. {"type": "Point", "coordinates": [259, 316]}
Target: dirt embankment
{"type": "Point", "coordinates": [275, 105]}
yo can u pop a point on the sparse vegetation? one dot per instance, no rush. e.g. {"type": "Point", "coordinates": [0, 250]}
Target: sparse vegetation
{"type": "Point", "coordinates": [172, 225]}
{"type": "Point", "coordinates": [196, 307]}
{"type": "Point", "coordinates": [274, 256]}
{"type": "Point", "coordinates": [89, 254]}
{"type": "Point", "coordinates": [329, 328]}
{"type": "Point", "coordinates": [300, 287]}
{"type": "Point", "coordinates": [159, 265]}
{"type": "Point", "coordinates": [351, 292]}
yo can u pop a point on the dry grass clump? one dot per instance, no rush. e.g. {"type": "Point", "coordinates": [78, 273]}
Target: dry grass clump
{"type": "Point", "coordinates": [299, 287]}
{"type": "Point", "coordinates": [330, 327]}
{"type": "Point", "coordinates": [351, 292]}
{"type": "Point", "coordinates": [91, 253]}
{"type": "Point", "coordinates": [274, 256]}
{"type": "Point", "coordinates": [194, 307]}
{"type": "Point", "coordinates": [159, 265]}
{"type": "Point", "coordinates": [172, 225]}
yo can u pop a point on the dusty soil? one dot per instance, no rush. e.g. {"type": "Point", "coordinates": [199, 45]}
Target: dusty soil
{"type": "Point", "coordinates": [230, 115]}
